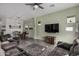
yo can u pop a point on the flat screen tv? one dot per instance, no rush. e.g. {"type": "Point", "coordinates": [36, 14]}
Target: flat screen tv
{"type": "Point", "coordinates": [52, 28]}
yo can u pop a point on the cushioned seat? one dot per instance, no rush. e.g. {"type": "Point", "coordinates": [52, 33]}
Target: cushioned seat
{"type": "Point", "coordinates": [8, 46]}
{"type": "Point", "coordinates": [11, 49]}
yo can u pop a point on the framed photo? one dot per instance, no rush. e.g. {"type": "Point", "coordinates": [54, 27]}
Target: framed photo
{"type": "Point", "coordinates": [3, 26]}
{"type": "Point", "coordinates": [10, 26]}
{"type": "Point", "coordinates": [19, 26]}
{"type": "Point", "coordinates": [30, 28]}
{"type": "Point", "coordinates": [71, 19]}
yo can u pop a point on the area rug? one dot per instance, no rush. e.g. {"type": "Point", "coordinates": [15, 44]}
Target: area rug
{"type": "Point", "coordinates": [35, 49]}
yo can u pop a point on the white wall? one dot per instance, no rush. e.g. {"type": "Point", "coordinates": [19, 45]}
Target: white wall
{"type": "Point", "coordinates": [2, 22]}
{"type": "Point", "coordinates": [30, 22]}
{"type": "Point", "coordinates": [61, 18]}
{"type": "Point", "coordinates": [13, 22]}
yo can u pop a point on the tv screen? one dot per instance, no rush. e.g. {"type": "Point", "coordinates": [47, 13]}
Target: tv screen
{"type": "Point", "coordinates": [52, 28]}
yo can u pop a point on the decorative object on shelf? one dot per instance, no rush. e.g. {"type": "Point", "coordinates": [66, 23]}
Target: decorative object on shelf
{"type": "Point", "coordinates": [3, 30]}
{"type": "Point", "coordinates": [26, 27]}
{"type": "Point", "coordinates": [3, 26]}
{"type": "Point", "coordinates": [10, 26]}
{"type": "Point", "coordinates": [71, 19]}
{"type": "Point", "coordinates": [14, 26]}
{"type": "Point", "coordinates": [30, 28]}
{"type": "Point", "coordinates": [69, 28]}
{"type": "Point", "coordinates": [19, 26]}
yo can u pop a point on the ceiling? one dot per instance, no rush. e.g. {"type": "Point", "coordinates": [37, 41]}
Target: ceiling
{"type": "Point", "coordinates": [23, 11]}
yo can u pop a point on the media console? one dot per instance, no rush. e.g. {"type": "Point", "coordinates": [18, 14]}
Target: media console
{"type": "Point", "coordinates": [49, 39]}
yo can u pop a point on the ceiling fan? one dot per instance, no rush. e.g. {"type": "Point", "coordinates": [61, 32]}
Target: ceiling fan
{"type": "Point", "coordinates": [35, 5]}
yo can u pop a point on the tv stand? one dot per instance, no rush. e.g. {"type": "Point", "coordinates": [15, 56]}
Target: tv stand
{"type": "Point", "coordinates": [49, 39]}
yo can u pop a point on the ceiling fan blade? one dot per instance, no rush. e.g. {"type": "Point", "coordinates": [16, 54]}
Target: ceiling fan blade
{"type": "Point", "coordinates": [29, 4]}
{"type": "Point", "coordinates": [38, 3]}
{"type": "Point", "coordinates": [41, 7]}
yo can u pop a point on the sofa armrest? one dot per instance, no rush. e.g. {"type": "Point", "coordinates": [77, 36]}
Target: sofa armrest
{"type": "Point", "coordinates": [8, 46]}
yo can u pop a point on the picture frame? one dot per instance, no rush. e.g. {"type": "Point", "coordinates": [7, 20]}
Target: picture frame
{"type": "Point", "coordinates": [10, 26]}
{"type": "Point", "coordinates": [19, 26]}
{"type": "Point", "coordinates": [71, 19]}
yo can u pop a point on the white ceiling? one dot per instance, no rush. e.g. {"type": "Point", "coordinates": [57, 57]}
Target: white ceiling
{"type": "Point", "coordinates": [21, 10]}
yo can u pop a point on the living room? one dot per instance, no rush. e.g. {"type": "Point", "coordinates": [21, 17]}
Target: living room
{"type": "Point", "coordinates": [39, 31]}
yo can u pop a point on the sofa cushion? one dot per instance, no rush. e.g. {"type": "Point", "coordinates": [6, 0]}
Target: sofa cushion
{"type": "Point", "coordinates": [8, 45]}
{"type": "Point", "coordinates": [64, 46]}
{"type": "Point", "coordinates": [5, 42]}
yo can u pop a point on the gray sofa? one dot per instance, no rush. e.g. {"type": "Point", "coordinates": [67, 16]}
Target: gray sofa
{"type": "Point", "coordinates": [61, 49]}
{"type": "Point", "coordinates": [72, 50]}
{"type": "Point", "coordinates": [11, 49]}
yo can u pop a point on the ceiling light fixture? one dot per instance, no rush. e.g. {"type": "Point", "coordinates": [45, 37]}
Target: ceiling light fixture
{"type": "Point", "coordinates": [35, 6]}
